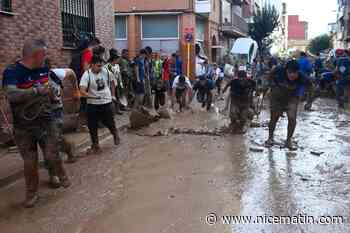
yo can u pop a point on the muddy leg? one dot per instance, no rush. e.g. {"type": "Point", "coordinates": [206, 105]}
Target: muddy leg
{"type": "Point", "coordinates": [234, 117]}
{"type": "Point", "coordinates": [275, 115]}
{"type": "Point", "coordinates": [209, 99]}
{"type": "Point", "coordinates": [51, 151]}
{"type": "Point", "coordinates": [292, 119]}
{"type": "Point", "coordinates": [108, 121]}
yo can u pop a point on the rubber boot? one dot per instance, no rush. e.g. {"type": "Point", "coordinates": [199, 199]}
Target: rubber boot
{"type": "Point", "coordinates": [116, 138]}
{"type": "Point", "coordinates": [61, 173]}
{"type": "Point", "coordinates": [69, 150]}
{"type": "Point", "coordinates": [94, 149]}
{"type": "Point", "coordinates": [54, 182]}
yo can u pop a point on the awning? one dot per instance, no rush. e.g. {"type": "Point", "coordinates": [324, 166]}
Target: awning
{"type": "Point", "coordinates": [217, 47]}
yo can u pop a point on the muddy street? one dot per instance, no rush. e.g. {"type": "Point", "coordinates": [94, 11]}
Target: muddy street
{"type": "Point", "coordinates": [167, 183]}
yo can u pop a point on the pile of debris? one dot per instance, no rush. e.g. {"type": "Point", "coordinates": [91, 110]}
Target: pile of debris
{"type": "Point", "coordinates": [143, 116]}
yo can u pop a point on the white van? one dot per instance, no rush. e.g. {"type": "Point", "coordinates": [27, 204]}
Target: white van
{"type": "Point", "coordinates": [245, 49]}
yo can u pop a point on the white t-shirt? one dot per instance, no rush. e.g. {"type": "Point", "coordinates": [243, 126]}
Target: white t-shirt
{"type": "Point", "coordinates": [176, 82]}
{"type": "Point", "coordinates": [98, 86]}
{"type": "Point", "coordinates": [200, 68]}
{"type": "Point", "coordinates": [115, 71]}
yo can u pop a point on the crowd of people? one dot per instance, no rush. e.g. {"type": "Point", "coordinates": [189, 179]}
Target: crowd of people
{"type": "Point", "coordinates": [111, 86]}
{"type": "Point", "coordinates": [104, 87]}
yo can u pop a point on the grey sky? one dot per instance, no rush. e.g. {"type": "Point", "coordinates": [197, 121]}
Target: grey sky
{"type": "Point", "coordinates": [317, 12]}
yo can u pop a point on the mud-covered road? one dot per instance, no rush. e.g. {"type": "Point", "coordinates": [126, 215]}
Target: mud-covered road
{"type": "Point", "coordinates": [170, 183]}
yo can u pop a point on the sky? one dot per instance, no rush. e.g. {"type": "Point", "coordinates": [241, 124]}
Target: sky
{"type": "Point", "coordinates": [318, 13]}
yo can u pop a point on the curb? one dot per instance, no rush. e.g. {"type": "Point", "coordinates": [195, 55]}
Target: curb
{"type": "Point", "coordinates": [79, 147]}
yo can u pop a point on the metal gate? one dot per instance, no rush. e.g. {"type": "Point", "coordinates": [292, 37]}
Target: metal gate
{"type": "Point", "coordinates": [77, 18]}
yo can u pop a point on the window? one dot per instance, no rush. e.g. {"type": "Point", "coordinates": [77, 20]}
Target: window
{"type": "Point", "coordinates": [226, 12]}
{"type": "Point", "coordinates": [5, 5]}
{"type": "Point", "coordinates": [121, 27]}
{"type": "Point", "coordinates": [160, 27]}
{"type": "Point", "coordinates": [77, 19]}
{"type": "Point", "coordinates": [200, 29]}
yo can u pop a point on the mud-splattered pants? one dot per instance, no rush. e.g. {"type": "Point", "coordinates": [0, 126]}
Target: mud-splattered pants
{"type": "Point", "coordinates": [27, 139]}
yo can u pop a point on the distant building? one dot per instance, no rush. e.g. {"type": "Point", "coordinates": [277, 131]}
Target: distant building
{"type": "Point", "coordinates": [54, 21]}
{"type": "Point", "coordinates": [167, 25]}
{"type": "Point", "coordinates": [297, 33]}
{"type": "Point", "coordinates": [297, 30]}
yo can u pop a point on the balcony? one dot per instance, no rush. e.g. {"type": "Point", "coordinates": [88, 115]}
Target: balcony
{"type": "Point", "coordinates": [203, 6]}
{"type": "Point", "coordinates": [238, 27]}
{"type": "Point", "coordinates": [240, 2]}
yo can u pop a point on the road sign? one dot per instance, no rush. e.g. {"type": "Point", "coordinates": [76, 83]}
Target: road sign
{"type": "Point", "coordinates": [189, 37]}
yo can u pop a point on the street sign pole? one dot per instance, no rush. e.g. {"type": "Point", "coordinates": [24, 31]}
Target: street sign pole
{"type": "Point", "coordinates": [188, 58]}
{"type": "Point", "coordinates": [188, 39]}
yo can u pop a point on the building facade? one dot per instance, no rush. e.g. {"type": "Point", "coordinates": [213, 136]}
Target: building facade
{"type": "Point", "coordinates": [297, 33]}
{"type": "Point", "coordinates": [170, 26]}
{"type": "Point", "coordinates": [56, 22]}
{"type": "Point", "coordinates": [233, 22]}
{"type": "Point", "coordinates": [342, 33]}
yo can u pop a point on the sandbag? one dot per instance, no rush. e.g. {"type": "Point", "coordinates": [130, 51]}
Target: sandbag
{"type": "Point", "coordinates": [164, 113]}
{"type": "Point", "coordinates": [142, 117]}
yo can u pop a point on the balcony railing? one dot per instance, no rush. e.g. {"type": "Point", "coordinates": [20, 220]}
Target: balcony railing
{"type": "Point", "coordinates": [238, 26]}
{"type": "Point", "coordinates": [203, 6]}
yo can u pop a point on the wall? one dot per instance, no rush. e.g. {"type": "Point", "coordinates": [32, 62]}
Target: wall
{"type": "Point", "coordinates": [152, 5]}
{"type": "Point", "coordinates": [296, 28]}
{"type": "Point", "coordinates": [104, 22]}
{"type": "Point", "coordinates": [248, 9]}
{"type": "Point", "coordinates": [42, 19]}
{"type": "Point", "coordinates": [214, 31]}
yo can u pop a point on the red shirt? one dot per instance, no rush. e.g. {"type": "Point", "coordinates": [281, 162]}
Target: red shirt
{"type": "Point", "coordinates": [86, 57]}
{"type": "Point", "coordinates": [166, 70]}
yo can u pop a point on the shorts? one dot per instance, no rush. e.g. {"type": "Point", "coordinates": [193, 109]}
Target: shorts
{"type": "Point", "coordinates": [45, 134]}
{"type": "Point", "coordinates": [282, 102]}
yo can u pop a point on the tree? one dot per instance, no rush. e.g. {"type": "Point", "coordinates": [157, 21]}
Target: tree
{"type": "Point", "coordinates": [265, 22]}
{"type": "Point", "coordinates": [320, 43]}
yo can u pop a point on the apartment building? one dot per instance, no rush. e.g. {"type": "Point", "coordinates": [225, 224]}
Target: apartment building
{"type": "Point", "coordinates": [297, 33]}
{"type": "Point", "coordinates": [342, 33]}
{"type": "Point", "coordinates": [169, 26]}
{"type": "Point", "coordinates": [233, 23]}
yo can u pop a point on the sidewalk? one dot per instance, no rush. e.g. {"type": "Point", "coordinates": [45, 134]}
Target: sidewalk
{"type": "Point", "coordinates": [11, 163]}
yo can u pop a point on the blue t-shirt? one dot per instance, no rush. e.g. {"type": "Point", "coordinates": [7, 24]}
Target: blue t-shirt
{"type": "Point", "coordinates": [25, 78]}
{"type": "Point", "coordinates": [178, 66]}
{"type": "Point", "coordinates": [141, 68]}
{"type": "Point", "coordinates": [318, 64]}
{"type": "Point", "coordinates": [280, 80]}
{"type": "Point", "coordinates": [305, 65]}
